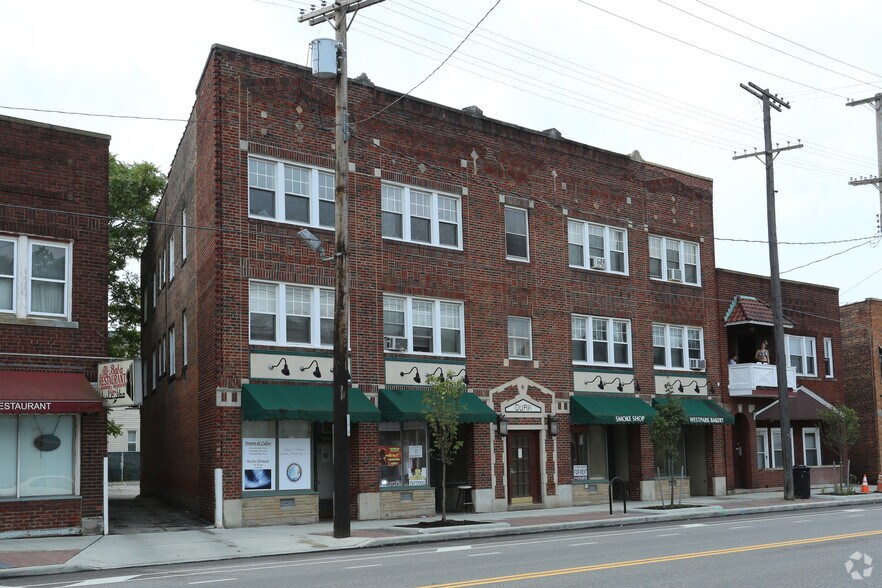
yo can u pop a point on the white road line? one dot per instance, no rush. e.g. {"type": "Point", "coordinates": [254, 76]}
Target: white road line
{"type": "Point", "coordinates": [580, 544]}
{"type": "Point", "coordinates": [483, 554]}
{"type": "Point", "coordinates": [99, 581]}
{"type": "Point", "coordinates": [693, 525]}
{"type": "Point", "coordinates": [744, 527]}
{"type": "Point", "coordinates": [211, 581]}
{"type": "Point", "coordinates": [365, 566]}
{"type": "Point", "coordinates": [854, 516]}
{"type": "Point", "coordinates": [853, 510]}
{"type": "Point", "coordinates": [668, 535]}
{"type": "Point", "coordinates": [802, 521]}
{"type": "Point", "coordinates": [454, 548]}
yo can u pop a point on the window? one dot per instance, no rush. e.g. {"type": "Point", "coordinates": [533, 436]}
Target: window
{"type": "Point", "coordinates": [777, 452]}
{"type": "Point", "coordinates": [171, 352]}
{"type": "Point", "coordinates": [762, 449]}
{"type": "Point", "coordinates": [183, 235]}
{"type": "Point", "coordinates": [601, 340]}
{"type": "Point", "coordinates": [428, 326]}
{"type": "Point", "coordinates": [290, 193]}
{"type": "Point", "coordinates": [811, 447]}
{"type": "Point", "coordinates": [828, 357]}
{"type": "Point", "coordinates": [517, 240]}
{"type": "Point", "coordinates": [420, 216]}
{"type": "Point", "coordinates": [171, 259]}
{"type": "Point", "coordinates": [404, 454]}
{"type": "Point", "coordinates": [673, 346]}
{"type": "Point", "coordinates": [44, 267]}
{"type": "Point", "coordinates": [25, 469]}
{"type": "Point", "coordinates": [277, 455]}
{"type": "Point", "coordinates": [589, 452]}
{"type": "Point", "coordinates": [607, 247]}
{"type": "Point", "coordinates": [288, 314]}
{"type": "Point", "coordinates": [132, 441]}
{"type": "Point", "coordinates": [162, 355]}
{"type": "Point", "coordinates": [184, 338]}
{"type": "Point", "coordinates": [673, 260]}
{"type": "Point", "coordinates": [162, 266]}
{"type": "Point", "coordinates": [801, 354]}
{"type": "Point", "coordinates": [519, 338]}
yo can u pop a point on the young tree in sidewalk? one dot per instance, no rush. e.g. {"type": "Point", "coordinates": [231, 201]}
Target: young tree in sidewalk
{"type": "Point", "coordinates": [441, 404]}
{"type": "Point", "coordinates": [839, 431]}
{"type": "Point", "coordinates": [666, 430]}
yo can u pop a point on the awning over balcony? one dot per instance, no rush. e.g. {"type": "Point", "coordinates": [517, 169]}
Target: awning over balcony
{"type": "Point", "coordinates": [702, 411]}
{"type": "Point", "coordinates": [610, 410]}
{"type": "Point", "coordinates": [749, 310]}
{"type": "Point", "coordinates": [271, 402]}
{"type": "Point", "coordinates": [802, 407]}
{"type": "Point", "coordinates": [407, 405]}
{"type": "Point", "coordinates": [43, 392]}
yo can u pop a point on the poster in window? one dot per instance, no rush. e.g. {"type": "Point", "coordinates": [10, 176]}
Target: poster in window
{"type": "Point", "coordinates": [295, 461]}
{"type": "Point", "coordinates": [580, 472]}
{"type": "Point", "coordinates": [258, 463]}
{"type": "Point", "coordinates": [390, 455]}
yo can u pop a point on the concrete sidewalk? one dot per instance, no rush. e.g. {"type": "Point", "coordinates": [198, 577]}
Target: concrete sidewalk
{"type": "Point", "coordinates": [49, 555]}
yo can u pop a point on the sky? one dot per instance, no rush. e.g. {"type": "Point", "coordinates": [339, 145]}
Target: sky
{"type": "Point", "coordinates": [658, 76]}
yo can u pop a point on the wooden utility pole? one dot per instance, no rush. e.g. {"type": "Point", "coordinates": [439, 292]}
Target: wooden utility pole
{"type": "Point", "coordinates": [770, 101]}
{"type": "Point", "coordinates": [876, 101]}
{"type": "Point", "coordinates": [336, 15]}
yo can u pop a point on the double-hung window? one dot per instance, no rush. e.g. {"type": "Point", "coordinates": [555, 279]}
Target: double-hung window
{"type": "Point", "coordinates": [291, 314]}
{"type": "Point", "coordinates": [597, 247]}
{"type": "Point", "coordinates": [517, 238]}
{"type": "Point", "coordinates": [520, 338]}
{"type": "Point", "coordinates": [601, 340]}
{"type": "Point", "coordinates": [423, 325]}
{"type": "Point", "coordinates": [828, 357]}
{"type": "Point", "coordinates": [777, 448]}
{"type": "Point", "coordinates": [421, 216]}
{"type": "Point", "coordinates": [183, 235]}
{"type": "Point", "coordinates": [184, 337]}
{"type": "Point", "coordinates": [811, 446]}
{"type": "Point", "coordinates": [172, 362]}
{"type": "Point", "coordinates": [674, 260]}
{"type": "Point", "coordinates": [762, 449]}
{"type": "Point", "coordinates": [171, 259]}
{"type": "Point", "coordinates": [801, 354]}
{"type": "Point", "coordinates": [676, 346]}
{"type": "Point", "coordinates": [290, 193]}
{"type": "Point", "coordinates": [44, 267]}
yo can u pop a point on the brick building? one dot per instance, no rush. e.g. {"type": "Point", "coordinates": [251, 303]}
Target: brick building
{"type": "Point", "coordinates": [53, 326]}
{"type": "Point", "coordinates": [815, 376]}
{"type": "Point", "coordinates": [862, 350]}
{"type": "Point", "coordinates": [571, 286]}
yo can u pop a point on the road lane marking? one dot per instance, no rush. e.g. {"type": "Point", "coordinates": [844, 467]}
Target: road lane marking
{"type": "Point", "coordinates": [211, 581]}
{"type": "Point", "coordinates": [693, 525]}
{"type": "Point", "coordinates": [454, 548]}
{"type": "Point", "coordinates": [99, 581]}
{"type": "Point", "coordinates": [483, 554]}
{"type": "Point", "coordinates": [581, 544]}
{"type": "Point", "coordinates": [364, 566]}
{"type": "Point", "coordinates": [744, 527]}
{"type": "Point", "coordinates": [668, 535]}
{"type": "Point", "coordinates": [652, 560]}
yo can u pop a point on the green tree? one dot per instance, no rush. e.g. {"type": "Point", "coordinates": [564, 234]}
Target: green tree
{"type": "Point", "coordinates": [839, 431]}
{"type": "Point", "coordinates": [666, 430]}
{"type": "Point", "coordinates": [441, 406]}
{"type": "Point", "coordinates": [134, 193]}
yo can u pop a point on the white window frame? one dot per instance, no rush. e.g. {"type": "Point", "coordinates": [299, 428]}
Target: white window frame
{"type": "Point", "coordinates": [579, 235]}
{"type": "Point", "coordinates": [172, 368]}
{"type": "Point", "coordinates": [314, 197]}
{"type": "Point", "coordinates": [828, 358]}
{"type": "Point", "coordinates": [315, 315]}
{"type": "Point", "coordinates": [129, 434]}
{"type": "Point", "coordinates": [687, 334]}
{"type": "Point", "coordinates": [171, 259]}
{"type": "Point", "coordinates": [586, 324]}
{"type": "Point", "coordinates": [512, 338]}
{"type": "Point", "coordinates": [183, 235]}
{"type": "Point", "coordinates": [184, 337]}
{"type": "Point", "coordinates": [525, 235]}
{"type": "Point", "coordinates": [817, 450]}
{"type": "Point", "coordinates": [773, 433]}
{"type": "Point", "coordinates": [437, 323]}
{"type": "Point", "coordinates": [162, 269]}
{"type": "Point", "coordinates": [807, 349]}
{"type": "Point", "coordinates": [764, 434]}
{"type": "Point", "coordinates": [14, 454]}
{"type": "Point", "coordinates": [660, 244]}
{"type": "Point", "coordinates": [434, 217]}
{"type": "Point", "coordinates": [23, 278]}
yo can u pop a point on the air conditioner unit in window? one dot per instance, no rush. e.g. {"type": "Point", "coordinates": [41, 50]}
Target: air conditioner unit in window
{"type": "Point", "coordinates": [697, 364]}
{"type": "Point", "coordinates": [395, 343]}
{"type": "Point", "coordinates": [598, 263]}
{"type": "Point", "coordinates": [675, 275]}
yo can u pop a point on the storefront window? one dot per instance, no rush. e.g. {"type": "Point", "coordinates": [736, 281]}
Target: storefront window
{"type": "Point", "coordinates": [38, 455]}
{"type": "Point", "coordinates": [403, 454]}
{"type": "Point", "coordinates": [589, 453]}
{"type": "Point", "coordinates": [276, 455]}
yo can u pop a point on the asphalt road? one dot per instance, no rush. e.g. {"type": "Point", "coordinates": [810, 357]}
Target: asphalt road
{"type": "Point", "coordinates": [809, 548]}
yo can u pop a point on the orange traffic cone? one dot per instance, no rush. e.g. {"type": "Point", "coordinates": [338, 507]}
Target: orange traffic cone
{"type": "Point", "coordinates": [879, 483]}
{"type": "Point", "coordinates": [865, 488]}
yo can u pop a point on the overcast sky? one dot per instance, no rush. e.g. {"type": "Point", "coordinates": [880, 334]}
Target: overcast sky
{"type": "Point", "coordinates": [658, 76]}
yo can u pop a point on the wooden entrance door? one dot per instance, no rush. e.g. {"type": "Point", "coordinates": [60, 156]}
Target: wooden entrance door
{"type": "Point", "coordinates": [523, 467]}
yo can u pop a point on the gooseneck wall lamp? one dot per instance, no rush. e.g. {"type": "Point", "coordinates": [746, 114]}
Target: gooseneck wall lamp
{"type": "Point", "coordinates": [598, 379]}
{"type": "Point", "coordinates": [465, 377]}
{"type": "Point", "coordinates": [284, 363]}
{"type": "Point", "coordinates": [621, 385]}
{"type": "Point", "coordinates": [317, 372]}
{"type": "Point", "coordinates": [416, 374]}
{"type": "Point", "coordinates": [438, 372]}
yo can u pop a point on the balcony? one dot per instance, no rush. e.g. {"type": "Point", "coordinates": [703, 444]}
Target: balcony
{"type": "Point", "coordinates": [757, 379]}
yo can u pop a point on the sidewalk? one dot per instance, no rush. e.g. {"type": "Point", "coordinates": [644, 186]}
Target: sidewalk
{"type": "Point", "coordinates": [49, 555]}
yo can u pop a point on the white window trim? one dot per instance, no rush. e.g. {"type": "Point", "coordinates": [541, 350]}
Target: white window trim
{"type": "Point", "coordinates": [814, 356]}
{"type": "Point", "coordinates": [529, 322]}
{"type": "Point", "coordinates": [171, 259]}
{"type": "Point", "coordinates": [172, 368]}
{"type": "Point", "coordinates": [162, 268]}
{"type": "Point", "coordinates": [664, 260]}
{"type": "Point", "coordinates": [434, 222]}
{"type": "Point", "coordinates": [314, 199]}
{"type": "Point", "coordinates": [128, 442]}
{"type": "Point", "coordinates": [817, 449]}
{"type": "Point", "coordinates": [436, 324]}
{"type": "Point", "coordinates": [828, 356]}
{"type": "Point", "coordinates": [281, 325]}
{"type": "Point", "coordinates": [610, 321]}
{"type": "Point", "coordinates": [184, 337]}
{"type": "Point", "coordinates": [526, 234]}
{"type": "Point", "coordinates": [668, 347]}
{"type": "Point", "coordinates": [22, 277]}
{"type": "Point", "coordinates": [764, 433]}
{"type": "Point", "coordinates": [183, 235]}
{"type": "Point", "coordinates": [607, 239]}
{"type": "Point", "coordinates": [772, 446]}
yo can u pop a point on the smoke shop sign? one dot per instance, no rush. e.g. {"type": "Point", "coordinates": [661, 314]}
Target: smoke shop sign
{"type": "Point", "coordinates": [625, 419]}
{"type": "Point", "coordinates": [522, 406]}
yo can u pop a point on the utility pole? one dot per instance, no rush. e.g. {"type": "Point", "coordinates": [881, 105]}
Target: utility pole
{"type": "Point", "coordinates": [336, 15]}
{"type": "Point", "coordinates": [770, 101]}
{"type": "Point", "coordinates": [877, 181]}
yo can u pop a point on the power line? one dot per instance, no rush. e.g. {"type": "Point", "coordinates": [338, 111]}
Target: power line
{"type": "Point", "coordinates": [100, 115]}
{"type": "Point", "coordinates": [824, 258]}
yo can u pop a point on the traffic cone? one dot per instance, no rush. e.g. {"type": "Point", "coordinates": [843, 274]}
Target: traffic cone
{"type": "Point", "coordinates": [879, 483]}
{"type": "Point", "coordinates": [865, 488]}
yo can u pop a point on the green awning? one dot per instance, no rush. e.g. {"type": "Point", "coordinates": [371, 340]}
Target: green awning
{"type": "Point", "coordinates": [610, 410]}
{"type": "Point", "coordinates": [407, 405]}
{"type": "Point", "coordinates": [702, 411]}
{"type": "Point", "coordinates": [270, 402]}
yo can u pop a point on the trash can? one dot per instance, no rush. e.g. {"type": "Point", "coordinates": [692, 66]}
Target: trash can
{"type": "Point", "coordinates": [802, 481]}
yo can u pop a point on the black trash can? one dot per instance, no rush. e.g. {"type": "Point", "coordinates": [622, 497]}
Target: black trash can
{"type": "Point", "coordinates": [802, 481]}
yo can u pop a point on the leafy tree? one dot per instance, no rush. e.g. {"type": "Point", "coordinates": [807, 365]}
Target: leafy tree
{"type": "Point", "coordinates": [839, 431]}
{"type": "Point", "coordinates": [667, 428]}
{"type": "Point", "coordinates": [441, 406]}
{"type": "Point", "coordinates": [134, 192]}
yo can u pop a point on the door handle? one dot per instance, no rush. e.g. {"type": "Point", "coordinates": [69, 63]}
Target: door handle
{"type": "Point", "coordinates": [512, 471]}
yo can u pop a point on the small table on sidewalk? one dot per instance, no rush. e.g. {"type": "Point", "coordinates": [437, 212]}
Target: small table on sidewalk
{"type": "Point", "coordinates": [464, 499]}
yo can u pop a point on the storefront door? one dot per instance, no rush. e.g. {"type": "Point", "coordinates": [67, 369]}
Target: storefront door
{"type": "Point", "coordinates": [523, 467]}
{"type": "Point", "coordinates": [324, 473]}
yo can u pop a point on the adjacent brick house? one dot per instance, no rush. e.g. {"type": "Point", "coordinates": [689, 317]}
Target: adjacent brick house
{"type": "Point", "coordinates": [53, 326]}
{"type": "Point", "coordinates": [568, 283]}
{"type": "Point", "coordinates": [862, 350]}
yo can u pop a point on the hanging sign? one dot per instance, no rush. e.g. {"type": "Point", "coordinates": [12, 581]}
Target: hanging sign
{"type": "Point", "coordinates": [119, 383]}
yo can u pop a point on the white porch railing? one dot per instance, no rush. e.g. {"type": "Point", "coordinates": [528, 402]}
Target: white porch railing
{"type": "Point", "coordinates": [745, 378]}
